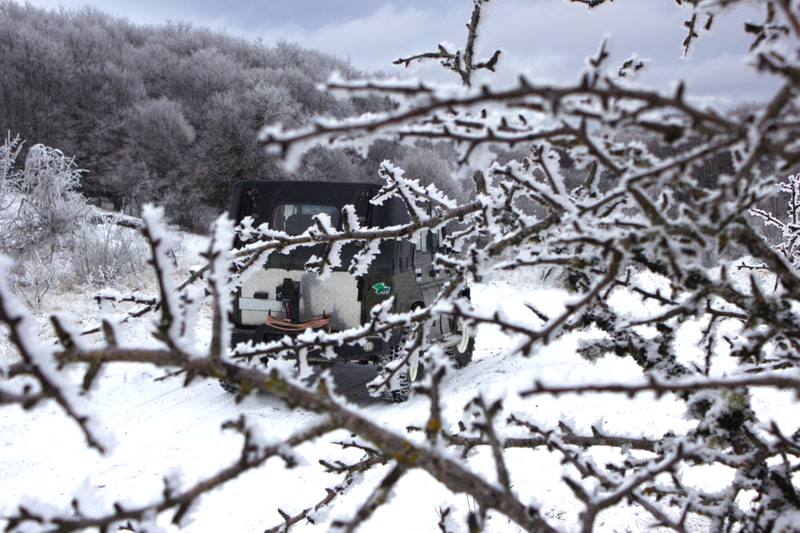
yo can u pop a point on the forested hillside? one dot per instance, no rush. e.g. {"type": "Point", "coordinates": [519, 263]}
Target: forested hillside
{"type": "Point", "coordinates": [167, 114]}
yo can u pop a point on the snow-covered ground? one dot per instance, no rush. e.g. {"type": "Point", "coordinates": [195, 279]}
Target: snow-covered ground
{"type": "Point", "coordinates": [163, 429]}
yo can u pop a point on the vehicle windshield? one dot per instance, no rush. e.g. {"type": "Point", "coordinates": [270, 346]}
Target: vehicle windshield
{"type": "Point", "coordinates": [294, 219]}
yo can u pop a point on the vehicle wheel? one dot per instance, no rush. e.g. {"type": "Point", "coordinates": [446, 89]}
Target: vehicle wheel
{"type": "Point", "coordinates": [461, 352]}
{"type": "Point", "coordinates": [229, 386]}
{"type": "Point", "coordinates": [402, 377]}
{"type": "Point", "coordinates": [403, 392]}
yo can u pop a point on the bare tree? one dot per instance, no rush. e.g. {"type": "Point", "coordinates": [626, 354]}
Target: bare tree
{"type": "Point", "coordinates": [653, 218]}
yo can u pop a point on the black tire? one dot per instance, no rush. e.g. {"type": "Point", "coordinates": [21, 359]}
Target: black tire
{"type": "Point", "coordinates": [402, 392]}
{"type": "Point", "coordinates": [461, 353]}
{"type": "Point", "coordinates": [229, 386]}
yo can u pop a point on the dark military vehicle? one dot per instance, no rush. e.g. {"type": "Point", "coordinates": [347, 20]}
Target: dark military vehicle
{"type": "Point", "coordinates": [283, 299]}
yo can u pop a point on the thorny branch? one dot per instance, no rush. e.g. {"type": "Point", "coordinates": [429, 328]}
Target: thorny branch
{"type": "Point", "coordinates": [606, 196]}
{"type": "Point", "coordinates": [459, 61]}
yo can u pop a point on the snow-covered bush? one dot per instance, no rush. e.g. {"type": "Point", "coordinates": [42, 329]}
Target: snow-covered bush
{"type": "Point", "coordinates": [53, 233]}
{"type": "Point", "coordinates": [51, 205]}
{"type": "Point", "coordinates": [632, 236]}
{"type": "Point", "coordinates": [42, 203]}
{"type": "Point", "coordinates": [35, 276]}
{"type": "Point", "coordinates": [108, 255]}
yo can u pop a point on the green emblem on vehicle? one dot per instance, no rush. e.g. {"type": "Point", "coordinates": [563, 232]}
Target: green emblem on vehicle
{"type": "Point", "coordinates": [381, 289]}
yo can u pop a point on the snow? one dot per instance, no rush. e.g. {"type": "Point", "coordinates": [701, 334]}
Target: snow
{"type": "Point", "coordinates": [168, 433]}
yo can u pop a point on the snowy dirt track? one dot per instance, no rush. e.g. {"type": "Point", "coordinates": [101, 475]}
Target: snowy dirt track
{"type": "Point", "coordinates": [165, 430]}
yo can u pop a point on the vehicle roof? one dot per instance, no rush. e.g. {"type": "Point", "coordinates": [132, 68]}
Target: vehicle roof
{"type": "Point", "coordinates": [258, 198]}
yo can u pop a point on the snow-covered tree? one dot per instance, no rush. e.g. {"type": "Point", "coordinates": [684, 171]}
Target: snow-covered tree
{"type": "Point", "coordinates": [144, 105]}
{"type": "Point", "coordinates": [51, 231]}
{"type": "Point", "coordinates": [47, 203]}
{"type": "Point", "coordinates": [632, 242]}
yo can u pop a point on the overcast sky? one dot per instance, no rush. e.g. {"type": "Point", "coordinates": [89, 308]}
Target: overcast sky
{"type": "Point", "coordinates": [546, 39]}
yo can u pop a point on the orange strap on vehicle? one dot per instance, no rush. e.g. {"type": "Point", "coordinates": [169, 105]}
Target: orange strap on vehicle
{"type": "Point", "coordinates": [293, 327]}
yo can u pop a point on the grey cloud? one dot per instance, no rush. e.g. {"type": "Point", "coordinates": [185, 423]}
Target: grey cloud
{"type": "Point", "coordinates": [546, 39]}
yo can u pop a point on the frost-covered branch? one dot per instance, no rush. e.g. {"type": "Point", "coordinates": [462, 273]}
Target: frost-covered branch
{"type": "Point", "coordinates": [395, 447]}
{"type": "Point", "coordinates": [597, 185]}
{"type": "Point", "coordinates": [40, 362]}
{"type": "Point", "coordinates": [459, 61]}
